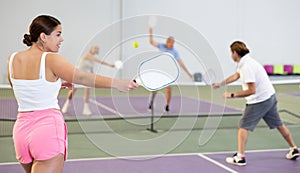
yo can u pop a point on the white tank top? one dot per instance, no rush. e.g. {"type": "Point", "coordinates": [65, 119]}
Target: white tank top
{"type": "Point", "coordinates": [38, 94]}
{"type": "Point", "coordinates": [85, 65]}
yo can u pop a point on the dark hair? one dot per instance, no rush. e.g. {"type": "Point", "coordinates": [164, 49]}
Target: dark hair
{"type": "Point", "coordinates": [240, 48]}
{"type": "Point", "coordinates": [41, 24]}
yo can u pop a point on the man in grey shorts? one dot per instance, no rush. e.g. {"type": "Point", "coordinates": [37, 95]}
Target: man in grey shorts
{"type": "Point", "coordinates": [261, 102]}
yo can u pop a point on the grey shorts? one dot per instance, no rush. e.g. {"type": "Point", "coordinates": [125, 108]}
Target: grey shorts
{"type": "Point", "coordinates": [266, 110]}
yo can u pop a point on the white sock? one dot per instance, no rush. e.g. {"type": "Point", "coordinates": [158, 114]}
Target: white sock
{"type": "Point", "coordinates": [294, 147]}
{"type": "Point", "coordinates": [239, 155]}
{"type": "Point", "coordinates": [67, 102]}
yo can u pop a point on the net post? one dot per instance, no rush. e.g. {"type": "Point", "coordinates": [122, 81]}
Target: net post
{"type": "Point", "coordinates": [151, 129]}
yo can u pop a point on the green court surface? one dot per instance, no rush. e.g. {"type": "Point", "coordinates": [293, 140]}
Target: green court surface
{"type": "Point", "coordinates": [224, 139]}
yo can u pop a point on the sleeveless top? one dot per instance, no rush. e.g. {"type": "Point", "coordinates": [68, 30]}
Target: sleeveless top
{"type": "Point", "coordinates": [37, 94]}
{"type": "Point", "coordinates": [85, 65]}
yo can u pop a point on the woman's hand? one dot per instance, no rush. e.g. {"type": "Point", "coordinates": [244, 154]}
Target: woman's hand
{"type": "Point", "coordinates": [66, 84]}
{"type": "Point", "coordinates": [124, 85]}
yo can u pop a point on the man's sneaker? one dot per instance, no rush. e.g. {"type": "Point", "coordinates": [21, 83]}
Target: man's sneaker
{"type": "Point", "coordinates": [236, 160]}
{"type": "Point", "coordinates": [293, 154]}
{"type": "Point", "coordinates": [149, 108]}
{"type": "Point", "coordinates": [167, 108]}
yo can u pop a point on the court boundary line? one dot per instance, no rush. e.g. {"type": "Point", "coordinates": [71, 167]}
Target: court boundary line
{"type": "Point", "coordinates": [248, 151]}
{"type": "Point", "coordinates": [106, 107]}
{"type": "Point", "coordinates": [237, 83]}
{"type": "Point", "coordinates": [217, 163]}
{"type": "Point", "coordinates": [157, 155]}
{"type": "Point", "coordinates": [236, 111]}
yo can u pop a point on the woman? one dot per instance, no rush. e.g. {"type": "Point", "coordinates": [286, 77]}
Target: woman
{"type": "Point", "coordinates": [39, 133]}
{"type": "Point", "coordinates": [86, 64]}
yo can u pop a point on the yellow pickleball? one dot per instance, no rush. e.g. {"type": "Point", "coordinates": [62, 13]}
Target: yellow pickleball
{"type": "Point", "coordinates": [135, 44]}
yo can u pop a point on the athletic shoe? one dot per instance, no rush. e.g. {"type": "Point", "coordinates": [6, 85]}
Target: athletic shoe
{"type": "Point", "coordinates": [149, 108]}
{"type": "Point", "coordinates": [167, 108]}
{"type": "Point", "coordinates": [86, 110]}
{"type": "Point", "coordinates": [236, 160]}
{"type": "Point", "coordinates": [293, 154]}
{"type": "Point", "coordinates": [65, 107]}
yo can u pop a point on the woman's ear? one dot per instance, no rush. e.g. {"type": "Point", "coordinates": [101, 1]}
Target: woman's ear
{"type": "Point", "coordinates": [43, 37]}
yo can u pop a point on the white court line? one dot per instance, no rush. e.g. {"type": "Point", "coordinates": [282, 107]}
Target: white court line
{"type": "Point", "coordinates": [118, 157]}
{"type": "Point", "coordinates": [248, 151]}
{"type": "Point", "coordinates": [217, 163]}
{"type": "Point", "coordinates": [161, 155]}
{"type": "Point", "coordinates": [9, 163]}
{"type": "Point", "coordinates": [106, 107]}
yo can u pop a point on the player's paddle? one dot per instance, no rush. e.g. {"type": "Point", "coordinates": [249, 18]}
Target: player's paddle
{"type": "Point", "coordinates": [152, 21]}
{"type": "Point", "coordinates": [157, 72]}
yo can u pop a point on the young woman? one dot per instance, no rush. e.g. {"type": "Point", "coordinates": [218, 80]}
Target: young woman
{"type": "Point", "coordinates": [86, 64]}
{"type": "Point", "coordinates": [35, 75]}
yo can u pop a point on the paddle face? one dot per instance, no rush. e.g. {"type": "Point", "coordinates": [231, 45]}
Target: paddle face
{"type": "Point", "coordinates": [152, 21]}
{"type": "Point", "coordinates": [158, 72]}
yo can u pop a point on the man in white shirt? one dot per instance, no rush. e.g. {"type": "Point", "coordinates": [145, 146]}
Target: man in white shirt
{"type": "Point", "coordinates": [261, 102]}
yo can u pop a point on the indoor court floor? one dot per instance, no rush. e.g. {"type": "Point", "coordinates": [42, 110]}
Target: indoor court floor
{"type": "Point", "coordinates": [265, 149]}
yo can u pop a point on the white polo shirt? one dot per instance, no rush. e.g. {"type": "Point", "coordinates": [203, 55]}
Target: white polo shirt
{"type": "Point", "coordinates": [252, 72]}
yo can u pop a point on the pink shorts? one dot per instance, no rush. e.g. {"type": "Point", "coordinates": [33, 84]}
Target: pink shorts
{"type": "Point", "coordinates": [40, 135]}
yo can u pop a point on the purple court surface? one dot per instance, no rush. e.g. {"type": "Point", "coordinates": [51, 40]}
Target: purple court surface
{"type": "Point", "coordinates": [129, 106]}
{"type": "Point", "coordinates": [293, 94]}
{"type": "Point", "coordinates": [272, 161]}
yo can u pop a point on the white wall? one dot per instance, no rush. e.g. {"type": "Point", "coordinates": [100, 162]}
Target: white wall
{"type": "Point", "coordinates": [81, 20]}
{"type": "Point", "coordinates": [269, 27]}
